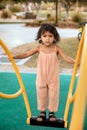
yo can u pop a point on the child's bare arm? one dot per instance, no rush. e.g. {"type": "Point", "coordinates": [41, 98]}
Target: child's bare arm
{"type": "Point", "coordinates": [27, 54]}
{"type": "Point", "coordinates": [64, 56]}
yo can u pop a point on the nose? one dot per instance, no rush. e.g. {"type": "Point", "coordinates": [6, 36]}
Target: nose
{"type": "Point", "coordinates": [47, 38]}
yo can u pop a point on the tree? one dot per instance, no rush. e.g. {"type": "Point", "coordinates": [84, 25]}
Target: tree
{"type": "Point", "coordinates": [67, 4]}
{"type": "Point", "coordinates": [4, 3]}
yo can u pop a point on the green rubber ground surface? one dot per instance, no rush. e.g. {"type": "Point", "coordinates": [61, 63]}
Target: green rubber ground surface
{"type": "Point", "coordinates": [13, 113]}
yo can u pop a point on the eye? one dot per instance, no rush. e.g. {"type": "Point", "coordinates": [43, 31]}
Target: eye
{"type": "Point", "coordinates": [50, 35]}
{"type": "Point", "coordinates": [44, 35]}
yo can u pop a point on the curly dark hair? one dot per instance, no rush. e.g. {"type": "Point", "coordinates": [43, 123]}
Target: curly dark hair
{"type": "Point", "coordinates": [50, 28]}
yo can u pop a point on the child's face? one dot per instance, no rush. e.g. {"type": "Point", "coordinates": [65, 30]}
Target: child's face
{"type": "Point", "coordinates": [47, 38]}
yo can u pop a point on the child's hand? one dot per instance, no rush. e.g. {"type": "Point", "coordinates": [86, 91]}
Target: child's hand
{"type": "Point", "coordinates": [14, 57]}
{"type": "Point", "coordinates": [78, 64]}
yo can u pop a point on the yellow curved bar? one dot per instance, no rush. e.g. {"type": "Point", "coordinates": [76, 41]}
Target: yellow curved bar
{"type": "Point", "coordinates": [77, 120]}
{"type": "Point", "coordinates": [2, 95]}
{"type": "Point", "coordinates": [19, 78]}
{"type": "Point", "coordinates": [71, 98]}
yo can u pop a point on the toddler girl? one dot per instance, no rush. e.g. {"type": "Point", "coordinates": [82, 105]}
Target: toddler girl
{"type": "Point", "coordinates": [47, 82]}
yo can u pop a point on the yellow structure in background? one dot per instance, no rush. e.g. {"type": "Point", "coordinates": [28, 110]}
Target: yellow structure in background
{"type": "Point", "coordinates": [22, 88]}
{"type": "Point", "coordinates": [79, 98]}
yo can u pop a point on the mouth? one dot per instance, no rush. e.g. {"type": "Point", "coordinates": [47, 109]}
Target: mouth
{"type": "Point", "coordinates": [47, 42]}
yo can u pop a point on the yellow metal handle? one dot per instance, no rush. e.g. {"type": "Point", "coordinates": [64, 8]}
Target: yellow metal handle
{"type": "Point", "coordinates": [71, 98]}
{"type": "Point", "coordinates": [2, 95]}
{"type": "Point", "coordinates": [78, 115]}
{"type": "Point", "coordinates": [20, 81]}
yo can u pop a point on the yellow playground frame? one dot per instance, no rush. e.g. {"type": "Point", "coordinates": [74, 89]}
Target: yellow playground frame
{"type": "Point", "coordinates": [22, 88]}
{"type": "Point", "coordinates": [79, 98]}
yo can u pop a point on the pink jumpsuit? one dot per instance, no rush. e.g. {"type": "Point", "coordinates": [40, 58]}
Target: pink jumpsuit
{"type": "Point", "coordinates": [47, 82]}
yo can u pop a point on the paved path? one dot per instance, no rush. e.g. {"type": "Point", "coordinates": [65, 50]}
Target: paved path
{"type": "Point", "coordinates": [21, 68]}
{"type": "Point", "coordinates": [25, 69]}
{"type": "Point", "coordinates": [15, 20]}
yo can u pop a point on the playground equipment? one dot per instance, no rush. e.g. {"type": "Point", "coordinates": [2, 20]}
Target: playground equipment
{"type": "Point", "coordinates": [22, 88]}
{"type": "Point", "coordinates": [81, 90]}
{"type": "Point", "coordinates": [81, 28]}
{"type": "Point", "coordinates": [79, 98]}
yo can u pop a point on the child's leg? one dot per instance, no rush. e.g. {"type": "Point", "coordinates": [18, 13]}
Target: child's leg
{"type": "Point", "coordinates": [42, 96]}
{"type": "Point", "coordinates": [53, 100]}
{"type": "Point", "coordinates": [53, 96]}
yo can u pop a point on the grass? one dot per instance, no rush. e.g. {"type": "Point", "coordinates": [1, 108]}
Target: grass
{"type": "Point", "coordinates": [69, 46]}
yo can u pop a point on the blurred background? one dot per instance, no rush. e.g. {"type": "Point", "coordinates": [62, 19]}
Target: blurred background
{"type": "Point", "coordinates": [55, 11]}
{"type": "Point", "coordinates": [20, 21]}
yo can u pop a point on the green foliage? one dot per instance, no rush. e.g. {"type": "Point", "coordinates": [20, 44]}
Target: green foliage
{"type": "Point", "coordinates": [77, 18]}
{"type": "Point", "coordinates": [16, 1]}
{"type": "Point", "coordinates": [16, 8]}
{"type": "Point", "coordinates": [6, 14]}
{"type": "Point", "coordinates": [30, 15]}
{"type": "Point", "coordinates": [2, 6]}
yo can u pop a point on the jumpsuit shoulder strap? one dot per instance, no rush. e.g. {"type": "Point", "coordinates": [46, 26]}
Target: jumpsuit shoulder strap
{"type": "Point", "coordinates": [55, 48]}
